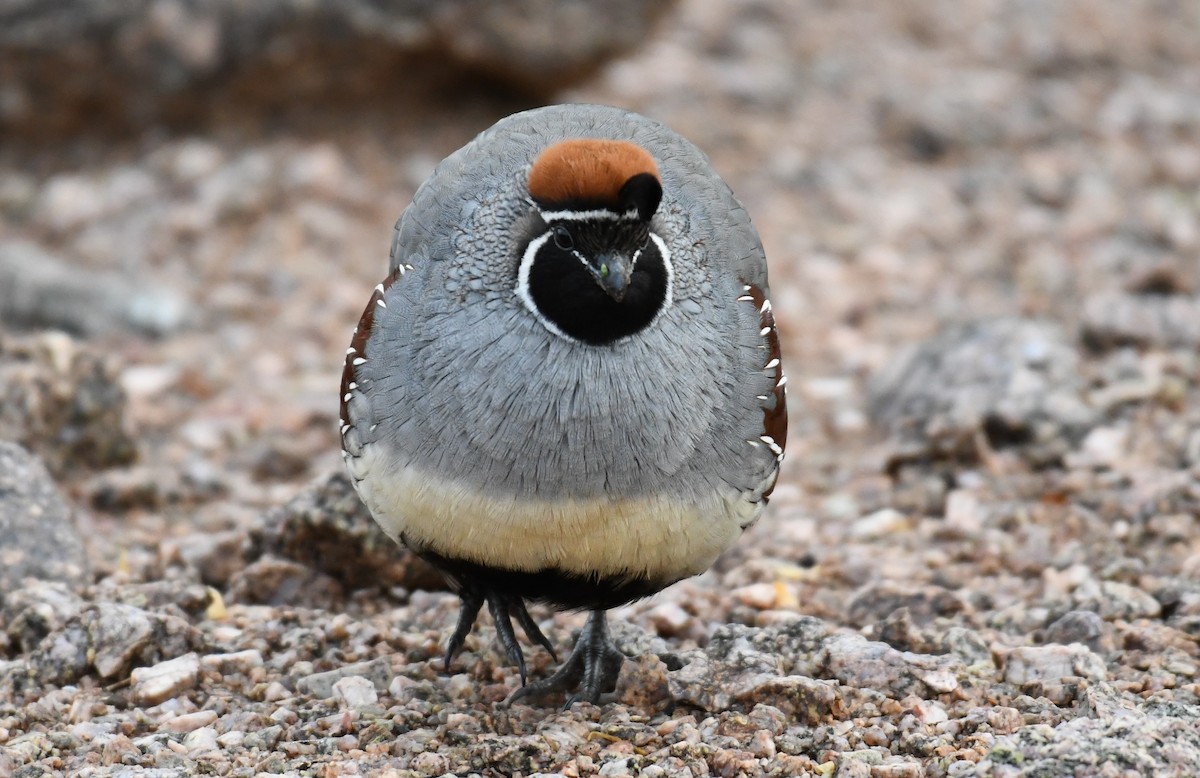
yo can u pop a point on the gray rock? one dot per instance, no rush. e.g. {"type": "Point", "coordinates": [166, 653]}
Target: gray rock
{"type": "Point", "coordinates": [63, 403]}
{"type": "Point", "coordinates": [900, 632]}
{"type": "Point", "coordinates": [154, 684]}
{"type": "Point", "coordinates": [1113, 728]}
{"type": "Point", "coordinates": [876, 601]}
{"type": "Point", "coordinates": [1080, 626]}
{"type": "Point", "coordinates": [1114, 319]}
{"type": "Point", "coordinates": [110, 639]}
{"type": "Point", "coordinates": [42, 290]}
{"type": "Point", "coordinates": [378, 672]}
{"type": "Point", "coordinates": [327, 528]}
{"type": "Point", "coordinates": [1116, 600]}
{"type": "Point", "coordinates": [38, 537]}
{"type": "Point", "coordinates": [707, 683]}
{"type": "Point", "coordinates": [742, 666]}
{"type": "Point", "coordinates": [800, 668]}
{"type": "Point", "coordinates": [354, 691]}
{"type": "Point", "coordinates": [1052, 663]}
{"type": "Point", "coordinates": [275, 581]}
{"type": "Point", "coordinates": [265, 738]}
{"type": "Point", "coordinates": [75, 66]}
{"type": "Point", "coordinates": [37, 609]}
{"type": "Point", "coordinates": [1009, 382]}
{"type": "Point", "coordinates": [544, 44]}
{"type": "Point", "coordinates": [216, 556]}
{"type": "Point", "coordinates": [855, 661]}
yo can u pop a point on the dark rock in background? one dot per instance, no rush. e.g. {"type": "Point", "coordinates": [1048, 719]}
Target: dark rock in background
{"type": "Point", "coordinates": [327, 528]}
{"type": "Point", "coordinates": [62, 402]}
{"type": "Point", "coordinates": [1143, 320]}
{"type": "Point", "coordinates": [38, 537]}
{"type": "Point", "coordinates": [40, 289]}
{"type": "Point", "coordinates": [71, 66]}
{"type": "Point", "coordinates": [1001, 383]}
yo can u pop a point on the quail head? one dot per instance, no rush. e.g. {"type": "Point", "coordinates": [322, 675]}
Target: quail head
{"type": "Point", "coordinates": [568, 390]}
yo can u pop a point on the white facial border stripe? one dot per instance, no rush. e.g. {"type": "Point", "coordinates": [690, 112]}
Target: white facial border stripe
{"type": "Point", "coordinates": [526, 267]}
{"type": "Point", "coordinates": [598, 213]}
{"type": "Point", "coordinates": [665, 253]}
{"type": "Point", "coordinates": [522, 289]}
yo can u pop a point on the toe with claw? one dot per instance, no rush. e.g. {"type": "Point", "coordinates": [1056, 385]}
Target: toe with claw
{"type": "Point", "coordinates": [590, 671]}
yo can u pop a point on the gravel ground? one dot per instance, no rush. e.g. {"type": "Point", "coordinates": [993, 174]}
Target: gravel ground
{"type": "Point", "coordinates": [983, 222]}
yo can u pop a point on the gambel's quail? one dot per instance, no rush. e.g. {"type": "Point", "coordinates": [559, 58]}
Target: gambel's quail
{"type": "Point", "coordinates": [568, 390]}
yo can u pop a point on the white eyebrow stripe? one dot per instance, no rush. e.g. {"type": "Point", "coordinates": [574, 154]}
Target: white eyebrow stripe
{"type": "Point", "coordinates": [596, 213]}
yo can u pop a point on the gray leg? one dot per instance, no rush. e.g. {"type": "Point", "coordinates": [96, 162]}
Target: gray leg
{"type": "Point", "coordinates": [592, 667]}
{"type": "Point", "coordinates": [498, 604]}
{"type": "Point", "coordinates": [517, 606]}
{"type": "Point", "coordinates": [471, 603]}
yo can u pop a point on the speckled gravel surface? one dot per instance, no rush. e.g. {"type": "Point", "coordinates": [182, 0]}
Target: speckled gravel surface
{"type": "Point", "coordinates": [983, 559]}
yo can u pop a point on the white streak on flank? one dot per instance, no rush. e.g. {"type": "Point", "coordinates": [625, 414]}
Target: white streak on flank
{"type": "Point", "coordinates": [771, 364]}
{"type": "Point", "coordinates": [766, 306]}
{"type": "Point", "coordinates": [765, 331]}
{"type": "Point", "coordinates": [753, 443]}
{"type": "Point", "coordinates": [746, 288]}
{"type": "Point", "coordinates": [381, 303]}
{"type": "Point", "coordinates": [351, 350]}
{"type": "Point", "coordinates": [379, 288]}
{"type": "Point", "coordinates": [760, 396]}
{"type": "Point", "coordinates": [352, 385]}
{"type": "Point", "coordinates": [771, 444]}
{"type": "Point", "coordinates": [362, 360]}
{"type": "Point", "coordinates": [346, 397]}
{"type": "Point", "coordinates": [745, 299]}
{"type": "Point", "coordinates": [597, 213]}
{"type": "Point", "coordinates": [782, 381]}
{"type": "Point", "coordinates": [372, 428]}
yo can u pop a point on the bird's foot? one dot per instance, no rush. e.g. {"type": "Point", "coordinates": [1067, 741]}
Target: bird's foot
{"type": "Point", "coordinates": [592, 668]}
{"type": "Point", "coordinates": [504, 609]}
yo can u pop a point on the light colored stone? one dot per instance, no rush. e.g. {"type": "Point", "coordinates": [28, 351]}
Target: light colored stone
{"type": "Point", "coordinates": [152, 685]}
{"type": "Point", "coordinates": [930, 712]}
{"type": "Point", "coordinates": [201, 741]}
{"type": "Point", "coordinates": [190, 722]}
{"type": "Point", "coordinates": [669, 619]}
{"type": "Point", "coordinates": [760, 596]}
{"type": "Point", "coordinates": [354, 691]}
{"type": "Point", "coordinates": [940, 681]}
{"type": "Point", "coordinates": [235, 661]}
{"type": "Point", "coordinates": [1027, 664]}
{"type": "Point", "coordinates": [885, 521]}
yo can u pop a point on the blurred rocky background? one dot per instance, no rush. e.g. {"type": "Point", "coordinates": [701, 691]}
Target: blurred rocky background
{"type": "Point", "coordinates": [983, 222]}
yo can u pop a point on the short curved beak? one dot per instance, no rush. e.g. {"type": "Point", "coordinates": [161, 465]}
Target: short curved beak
{"type": "Point", "coordinates": [612, 273]}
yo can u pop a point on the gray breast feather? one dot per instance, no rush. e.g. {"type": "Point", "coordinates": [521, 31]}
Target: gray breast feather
{"type": "Point", "coordinates": [484, 392]}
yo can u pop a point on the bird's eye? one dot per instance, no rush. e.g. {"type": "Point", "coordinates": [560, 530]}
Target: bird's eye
{"type": "Point", "coordinates": [562, 238]}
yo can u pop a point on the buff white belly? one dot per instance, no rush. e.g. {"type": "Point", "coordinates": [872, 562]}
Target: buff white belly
{"type": "Point", "coordinates": [653, 536]}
